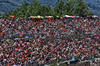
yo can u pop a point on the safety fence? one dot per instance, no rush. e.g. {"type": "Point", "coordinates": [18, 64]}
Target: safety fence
{"type": "Point", "coordinates": [91, 62]}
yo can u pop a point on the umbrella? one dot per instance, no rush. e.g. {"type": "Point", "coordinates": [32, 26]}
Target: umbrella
{"type": "Point", "coordinates": [16, 38]}
{"type": "Point", "coordinates": [38, 17]}
{"type": "Point", "coordinates": [48, 16]}
{"type": "Point", "coordinates": [94, 16]}
{"type": "Point", "coordinates": [88, 16]}
{"type": "Point", "coordinates": [27, 37]}
{"type": "Point", "coordinates": [57, 16]}
{"type": "Point", "coordinates": [73, 16]}
{"type": "Point", "coordinates": [73, 58]}
{"type": "Point", "coordinates": [95, 34]}
{"type": "Point", "coordinates": [61, 17]}
{"type": "Point", "coordinates": [12, 16]}
{"type": "Point", "coordinates": [21, 19]}
{"type": "Point", "coordinates": [32, 17]}
{"type": "Point", "coordinates": [66, 16]}
{"type": "Point", "coordinates": [2, 15]}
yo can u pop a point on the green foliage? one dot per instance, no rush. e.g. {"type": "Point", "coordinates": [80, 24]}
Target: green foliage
{"type": "Point", "coordinates": [45, 10]}
{"type": "Point", "coordinates": [81, 8]}
{"type": "Point", "coordinates": [54, 64]}
{"type": "Point", "coordinates": [58, 64]}
{"type": "Point", "coordinates": [34, 8]}
{"type": "Point", "coordinates": [59, 8]}
{"type": "Point", "coordinates": [70, 7]}
{"type": "Point", "coordinates": [62, 64]}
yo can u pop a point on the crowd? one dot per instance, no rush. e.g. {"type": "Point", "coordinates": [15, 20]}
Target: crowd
{"type": "Point", "coordinates": [47, 41]}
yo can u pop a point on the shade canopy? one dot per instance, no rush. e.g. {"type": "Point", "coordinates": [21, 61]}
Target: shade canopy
{"type": "Point", "coordinates": [57, 16]}
{"type": "Point", "coordinates": [27, 37]}
{"type": "Point", "coordinates": [40, 17]}
{"type": "Point", "coordinates": [32, 17]}
{"type": "Point", "coordinates": [66, 16]}
{"type": "Point", "coordinates": [61, 17]}
{"type": "Point", "coordinates": [21, 19]}
{"type": "Point", "coordinates": [12, 16]}
{"type": "Point", "coordinates": [94, 16]}
{"type": "Point", "coordinates": [48, 16]}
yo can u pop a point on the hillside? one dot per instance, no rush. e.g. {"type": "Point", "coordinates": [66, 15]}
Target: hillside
{"type": "Point", "coordinates": [8, 5]}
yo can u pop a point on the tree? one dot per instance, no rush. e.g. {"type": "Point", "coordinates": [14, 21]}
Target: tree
{"type": "Point", "coordinates": [24, 9]}
{"type": "Point", "coordinates": [19, 12]}
{"type": "Point", "coordinates": [59, 8]}
{"type": "Point", "coordinates": [56, 9]}
{"type": "Point", "coordinates": [45, 10]}
{"type": "Point", "coordinates": [69, 7]}
{"type": "Point", "coordinates": [81, 8]}
{"type": "Point", "coordinates": [34, 8]}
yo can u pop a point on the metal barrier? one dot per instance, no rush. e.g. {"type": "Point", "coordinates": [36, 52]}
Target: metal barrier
{"type": "Point", "coordinates": [95, 64]}
{"type": "Point", "coordinates": [91, 62]}
{"type": "Point", "coordinates": [80, 64]}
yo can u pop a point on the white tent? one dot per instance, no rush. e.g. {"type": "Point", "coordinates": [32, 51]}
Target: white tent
{"type": "Point", "coordinates": [66, 16]}
{"type": "Point", "coordinates": [94, 16]}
